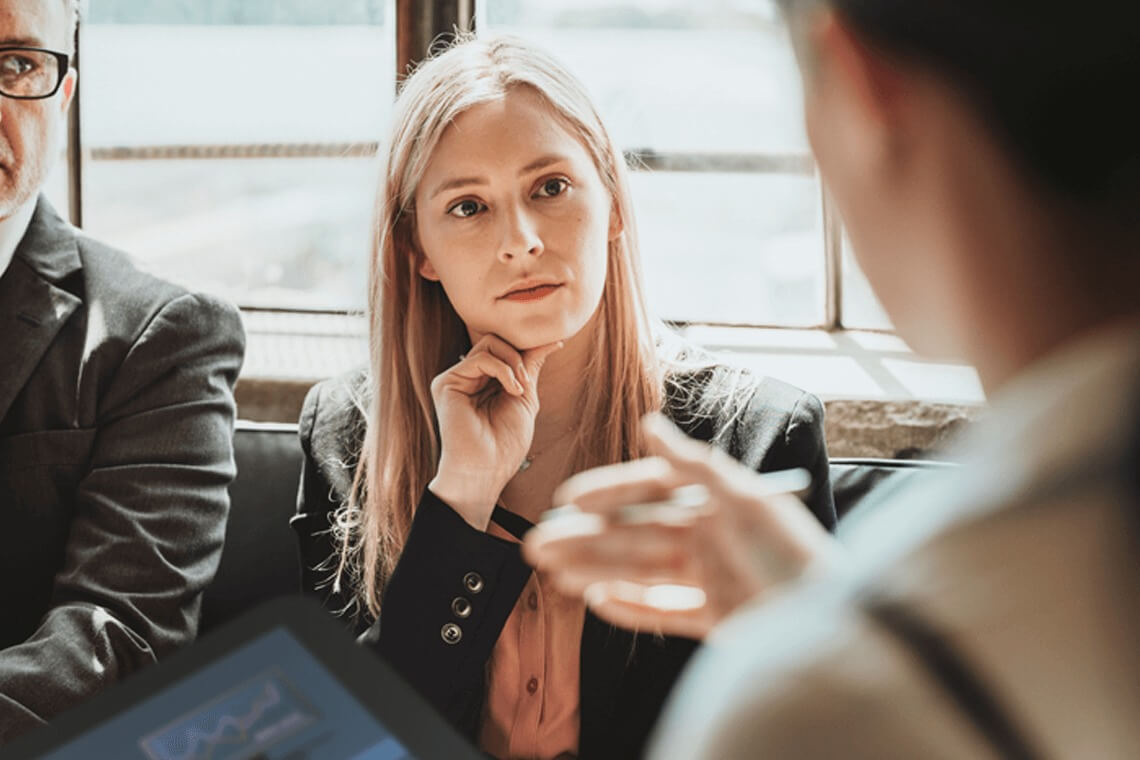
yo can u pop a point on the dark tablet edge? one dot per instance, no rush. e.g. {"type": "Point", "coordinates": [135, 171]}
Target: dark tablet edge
{"type": "Point", "coordinates": [396, 706]}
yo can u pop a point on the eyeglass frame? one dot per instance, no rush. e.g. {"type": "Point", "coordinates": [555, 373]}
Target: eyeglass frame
{"type": "Point", "coordinates": [63, 59]}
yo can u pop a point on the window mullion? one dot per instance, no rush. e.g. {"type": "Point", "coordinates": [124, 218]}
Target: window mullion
{"type": "Point", "coordinates": [75, 146]}
{"type": "Point", "coordinates": [419, 22]}
{"type": "Point", "coordinates": [832, 262]}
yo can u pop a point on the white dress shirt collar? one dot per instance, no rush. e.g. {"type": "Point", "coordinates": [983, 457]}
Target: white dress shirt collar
{"type": "Point", "coordinates": [12, 231]}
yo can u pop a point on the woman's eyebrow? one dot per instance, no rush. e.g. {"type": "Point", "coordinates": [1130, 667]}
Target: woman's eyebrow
{"type": "Point", "coordinates": [539, 163]}
{"type": "Point", "coordinates": [457, 182]}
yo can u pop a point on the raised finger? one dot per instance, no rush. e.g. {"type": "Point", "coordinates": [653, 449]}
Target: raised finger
{"type": "Point", "coordinates": [606, 489]}
{"type": "Point", "coordinates": [575, 582]}
{"type": "Point", "coordinates": [644, 552]}
{"type": "Point", "coordinates": [696, 460]}
{"type": "Point", "coordinates": [667, 610]}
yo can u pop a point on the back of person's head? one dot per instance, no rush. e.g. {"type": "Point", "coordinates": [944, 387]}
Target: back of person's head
{"type": "Point", "coordinates": [415, 331]}
{"type": "Point", "coordinates": [1054, 82]}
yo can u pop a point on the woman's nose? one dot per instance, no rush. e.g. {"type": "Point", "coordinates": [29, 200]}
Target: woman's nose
{"type": "Point", "coordinates": [520, 236]}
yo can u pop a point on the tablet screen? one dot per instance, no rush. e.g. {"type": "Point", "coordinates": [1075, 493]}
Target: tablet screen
{"type": "Point", "coordinates": [269, 698]}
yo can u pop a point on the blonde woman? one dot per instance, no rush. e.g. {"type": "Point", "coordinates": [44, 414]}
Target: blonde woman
{"type": "Point", "coordinates": [510, 348]}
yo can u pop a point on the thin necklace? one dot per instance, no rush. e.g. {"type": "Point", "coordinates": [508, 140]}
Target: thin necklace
{"type": "Point", "coordinates": [528, 460]}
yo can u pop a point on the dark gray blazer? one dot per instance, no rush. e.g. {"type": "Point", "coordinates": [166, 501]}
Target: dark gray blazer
{"type": "Point", "coordinates": [116, 420]}
{"type": "Point", "coordinates": [624, 678]}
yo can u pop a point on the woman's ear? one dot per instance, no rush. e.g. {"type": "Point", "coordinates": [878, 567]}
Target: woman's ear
{"type": "Point", "coordinates": [427, 271]}
{"type": "Point", "coordinates": [423, 266]}
{"type": "Point", "coordinates": [617, 225]}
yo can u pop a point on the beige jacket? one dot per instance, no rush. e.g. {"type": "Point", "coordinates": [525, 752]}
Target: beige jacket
{"type": "Point", "coordinates": [1026, 561]}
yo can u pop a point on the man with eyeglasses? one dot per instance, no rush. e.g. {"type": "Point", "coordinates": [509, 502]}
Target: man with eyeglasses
{"type": "Point", "coordinates": [116, 417]}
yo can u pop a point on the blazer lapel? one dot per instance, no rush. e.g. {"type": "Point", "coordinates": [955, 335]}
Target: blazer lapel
{"type": "Point", "coordinates": [33, 307]}
{"type": "Point", "coordinates": [604, 654]}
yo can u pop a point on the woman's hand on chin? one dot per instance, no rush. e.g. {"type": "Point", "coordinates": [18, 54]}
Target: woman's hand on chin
{"type": "Point", "coordinates": [486, 405]}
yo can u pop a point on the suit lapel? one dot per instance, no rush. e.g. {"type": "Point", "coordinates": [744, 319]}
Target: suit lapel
{"type": "Point", "coordinates": [33, 307]}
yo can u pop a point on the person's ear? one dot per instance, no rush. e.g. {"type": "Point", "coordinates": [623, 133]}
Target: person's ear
{"type": "Point", "coordinates": [68, 85]}
{"type": "Point", "coordinates": [867, 89]}
{"type": "Point", "coordinates": [617, 224]}
{"type": "Point", "coordinates": [427, 271]}
{"type": "Point", "coordinates": [423, 265]}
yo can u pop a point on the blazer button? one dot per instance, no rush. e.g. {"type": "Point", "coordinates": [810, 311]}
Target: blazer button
{"type": "Point", "coordinates": [473, 582]}
{"type": "Point", "coordinates": [461, 607]}
{"type": "Point", "coordinates": [451, 633]}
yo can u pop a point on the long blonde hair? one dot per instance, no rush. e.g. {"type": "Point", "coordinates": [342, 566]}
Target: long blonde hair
{"type": "Point", "coordinates": [415, 333]}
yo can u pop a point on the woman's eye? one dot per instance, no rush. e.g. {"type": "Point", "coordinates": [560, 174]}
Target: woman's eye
{"type": "Point", "coordinates": [465, 209]}
{"type": "Point", "coordinates": [553, 187]}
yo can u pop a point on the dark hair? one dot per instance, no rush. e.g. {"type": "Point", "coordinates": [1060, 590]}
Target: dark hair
{"type": "Point", "coordinates": [1056, 82]}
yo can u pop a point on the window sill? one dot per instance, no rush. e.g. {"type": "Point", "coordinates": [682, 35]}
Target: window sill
{"type": "Point", "coordinates": [881, 399]}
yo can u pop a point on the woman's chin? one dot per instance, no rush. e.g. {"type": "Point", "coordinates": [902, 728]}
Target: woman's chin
{"type": "Point", "coordinates": [525, 339]}
{"type": "Point", "coordinates": [527, 342]}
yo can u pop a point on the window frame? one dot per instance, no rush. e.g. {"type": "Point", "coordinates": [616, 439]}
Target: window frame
{"type": "Point", "coordinates": [418, 23]}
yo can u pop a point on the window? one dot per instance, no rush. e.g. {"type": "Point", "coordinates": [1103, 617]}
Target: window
{"type": "Point", "coordinates": [736, 236]}
{"type": "Point", "coordinates": [230, 145]}
{"type": "Point", "coordinates": [733, 225]}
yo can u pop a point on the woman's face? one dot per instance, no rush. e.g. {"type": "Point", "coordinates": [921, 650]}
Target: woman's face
{"type": "Point", "coordinates": [514, 222]}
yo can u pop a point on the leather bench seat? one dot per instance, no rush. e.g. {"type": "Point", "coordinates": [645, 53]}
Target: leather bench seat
{"type": "Point", "coordinates": [260, 557]}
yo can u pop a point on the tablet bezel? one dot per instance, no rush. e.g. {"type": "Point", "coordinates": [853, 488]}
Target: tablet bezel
{"type": "Point", "coordinates": [389, 699]}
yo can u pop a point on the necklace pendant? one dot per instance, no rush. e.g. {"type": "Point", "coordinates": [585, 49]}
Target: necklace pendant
{"type": "Point", "coordinates": [525, 464]}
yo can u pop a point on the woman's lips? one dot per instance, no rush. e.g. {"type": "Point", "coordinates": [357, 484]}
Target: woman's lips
{"type": "Point", "coordinates": [531, 294]}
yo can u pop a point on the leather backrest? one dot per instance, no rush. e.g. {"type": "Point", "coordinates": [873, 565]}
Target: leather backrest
{"type": "Point", "coordinates": [853, 478]}
{"type": "Point", "coordinates": [260, 559]}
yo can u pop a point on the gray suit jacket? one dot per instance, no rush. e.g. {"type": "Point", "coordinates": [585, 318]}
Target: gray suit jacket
{"type": "Point", "coordinates": [116, 419]}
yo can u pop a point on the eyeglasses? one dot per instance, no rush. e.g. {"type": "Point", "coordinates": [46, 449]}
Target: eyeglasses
{"type": "Point", "coordinates": [28, 73]}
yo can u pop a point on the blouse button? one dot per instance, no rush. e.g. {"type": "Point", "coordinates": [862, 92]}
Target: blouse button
{"type": "Point", "coordinates": [461, 607]}
{"type": "Point", "coordinates": [532, 600]}
{"type": "Point", "coordinates": [451, 633]}
{"type": "Point", "coordinates": [532, 685]}
{"type": "Point", "coordinates": [473, 582]}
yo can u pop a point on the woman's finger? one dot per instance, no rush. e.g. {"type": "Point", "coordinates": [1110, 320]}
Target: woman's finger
{"type": "Point", "coordinates": [479, 365]}
{"type": "Point", "coordinates": [505, 352]}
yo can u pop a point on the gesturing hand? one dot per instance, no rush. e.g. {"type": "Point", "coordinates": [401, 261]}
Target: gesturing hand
{"type": "Point", "coordinates": [681, 575]}
{"type": "Point", "coordinates": [486, 405]}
